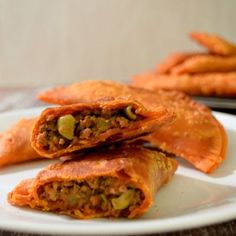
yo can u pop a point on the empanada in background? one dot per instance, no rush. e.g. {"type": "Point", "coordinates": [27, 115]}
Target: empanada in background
{"type": "Point", "coordinates": [206, 84]}
{"type": "Point", "coordinates": [214, 43]}
{"type": "Point", "coordinates": [62, 130]}
{"type": "Point", "coordinates": [15, 144]}
{"type": "Point", "coordinates": [116, 182]}
{"type": "Point", "coordinates": [174, 60]}
{"type": "Point", "coordinates": [194, 135]}
{"type": "Point", "coordinates": [211, 73]}
{"type": "Point", "coordinates": [205, 64]}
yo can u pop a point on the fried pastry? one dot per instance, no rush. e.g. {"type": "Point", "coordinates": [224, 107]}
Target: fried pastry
{"type": "Point", "coordinates": [15, 144]}
{"type": "Point", "coordinates": [214, 43]}
{"type": "Point", "coordinates": [207, 84]}
{"type": "Point", "coordinates": [200, 74]}
{"type": "Point", "coordinates": [117, 182]}
{"type": "Point", "coordinates": [174, 60]}
{"type": "Point", "coordinates": [194, 135]}
{"type": "Point", "coordinates": [63, 130]}
{"type": "Point", "coordinates": [205, 64]}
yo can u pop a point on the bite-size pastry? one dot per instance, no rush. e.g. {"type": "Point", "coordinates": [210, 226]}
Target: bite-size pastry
{"type": "Point", "coordinates": [116, 182]}
{"type": "Point", "coordinates": [15, 144]}
{"type": "Point", "coordinates": [63, 130]}
{"type": "Point", "coordinates": [194, 135]}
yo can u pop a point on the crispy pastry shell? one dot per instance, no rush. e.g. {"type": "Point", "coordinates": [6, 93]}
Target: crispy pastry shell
{"type": "Point", "coordinates": [15, 144]}
{"type": "Point", "coordinates": [145, 169]}
{"type": "Point", "coordinates": [207, 84]}
{"type": "Point", "coordinates": [214, 43]}
{"type": "Point", "coordinates": [151, 120]}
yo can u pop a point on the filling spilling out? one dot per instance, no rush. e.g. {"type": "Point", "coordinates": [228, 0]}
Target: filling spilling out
{"type": "Point", "coordinates": [103, 196]}
{"type": "Point", "coordinates": [69, 130]}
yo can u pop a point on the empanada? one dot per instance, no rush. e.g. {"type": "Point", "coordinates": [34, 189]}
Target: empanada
{"type": "Point", "coordinates": [205, 64]}
{"type": "Point", "coordinates": [15, 144]}
{"type": "Point", "coordinates": [206, 84]}
{"type": "Point", "coordinates": [214, 43]}
{"type": "Point", "coordinates": [174, 60]}
{"type": "Point", "coordinates": [117, 182]}
{"type": "Point", "coordinates": [63, 130]}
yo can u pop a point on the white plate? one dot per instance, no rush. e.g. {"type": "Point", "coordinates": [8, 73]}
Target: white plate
{"type": "Point", "coordinates": [191, 199]}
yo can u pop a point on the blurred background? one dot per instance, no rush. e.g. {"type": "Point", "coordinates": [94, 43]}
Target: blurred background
{"type": "Point", "coordinates": [63, 41]}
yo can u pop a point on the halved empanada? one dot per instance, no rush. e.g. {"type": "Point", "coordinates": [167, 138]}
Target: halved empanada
{"type": "Point", "coordinates": [195, 134]}
{"type": "Point", "coordinates": [117, 182]}
{"type": "Point", "coordinates": [63, 130]}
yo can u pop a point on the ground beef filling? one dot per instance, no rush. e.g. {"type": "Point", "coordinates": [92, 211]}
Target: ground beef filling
{"type": "Point", "coordinates": [68, 130]}
{"type": "Point", "coordinates": [105, 196]}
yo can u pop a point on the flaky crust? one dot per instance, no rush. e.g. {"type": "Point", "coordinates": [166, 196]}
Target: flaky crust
{"type": "Point", "coordinates": [85, 91]}
{"type": "Point", "coordinates": [151, 121]}
{"type": "Point", "coordinates": [205, 152]}
{"type": "Point", "coordinates": [145, 169]}
{"type": "Point", "coordinates": [15, 144]}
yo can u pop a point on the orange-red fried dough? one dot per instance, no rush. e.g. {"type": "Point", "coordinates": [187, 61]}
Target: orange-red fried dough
{"type": "Point", "coordinates": [63, 130]}
{"type": "Point", "coordinates": [214, 43]}
{"type": "Point", "coordinates": [205, 64]}
{"type": "Point", "coordinates": [118, 182]}
{"type": "Point", "coordinates": [15, 143]}
{"type": "Point", "coordinates": [174, 60]}
{"type": "Point", "coordinates": [206, 84]}
{"type": "Point", "coordinates": [195, 134]}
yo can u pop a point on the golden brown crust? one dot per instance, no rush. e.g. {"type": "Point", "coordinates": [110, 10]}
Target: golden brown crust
{"type": "Point", "coordinates": [207, 84]}
{"type": "Point", "coordinates": [174, 60]}
{"type": "Point", "coordinates": [150, 122]}
{"type": "Point", "coordinates": [212, 74]}
{"type": "Point", "coordinates": [191, 117]}
{"type": "Point", "coordinates": [205, 64]}
{"type": "Point", "coordinates": [85, 91]}
{"type": "Point", "coordinates": [21, 196]}
{"type": "Point", "coordinates": [15, 144]}
{"type": "Point", "coordinates": [147, 170]}
{"type": "Point", "coordinates": [214, 43]}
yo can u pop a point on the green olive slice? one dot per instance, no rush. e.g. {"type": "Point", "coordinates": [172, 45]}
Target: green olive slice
{"type": "Point", "coordinates": [130, 114]}
{"type": "Point", "coordinates": [66, 126]}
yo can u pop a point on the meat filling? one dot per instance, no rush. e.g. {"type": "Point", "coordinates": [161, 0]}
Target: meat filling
{"type": "Point", "coordinates": [103, 196]}
{"type": "Point", "coordinates": [58, 133]}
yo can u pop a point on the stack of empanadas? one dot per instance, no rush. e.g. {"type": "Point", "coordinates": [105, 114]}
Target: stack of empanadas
{"type": "Point", "coordinates": [106, 174]}
{"type": "Point", "coordinates": [211, 73]}
{"type": "Point", "coordinates": [101, 130]}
